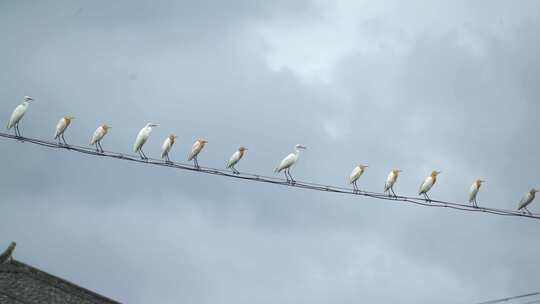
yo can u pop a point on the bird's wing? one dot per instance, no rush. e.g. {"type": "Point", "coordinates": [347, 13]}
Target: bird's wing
{"type": "Point", "coordinates": [194, 150]}
{"type": "Point", "coordinates": [355, 174]}
{"type": "Point", "coordinates": [234, 159]}
{"type": "Point", "coordinates": [95, 136]}
{"type": "Point", "coordinates": [524, 202]}
{"type": "Point", "coordinates": [60, 126]}
{"type": "Point", "coordinates": [165, 147]}
{"type": "Point", "coordinates": [425, 185]}
{"type": "Point", "coordinates": [472, 193]}
{"type": "Point", "coordinates": [389, 181]}
{"type": "Point", "coordinates": [140, 140]}
{"type": "Point", "coordinates": [17, 114]}
{"type": "Point", "coordinates": [286, 162]}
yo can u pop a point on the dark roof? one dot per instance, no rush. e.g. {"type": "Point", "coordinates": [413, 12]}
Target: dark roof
{"type": "Point", "coordinates": [24, 284]}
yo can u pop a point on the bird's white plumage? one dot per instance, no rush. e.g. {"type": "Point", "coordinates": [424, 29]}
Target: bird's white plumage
{"type": "Point", "coordinates": [235, 158]}
{"type": "Point", "coordinates": [166, 147]}
{"type": "Point", "coordinates": [98, 135]}
{"type": "Point", "coordinates": [526, 200]}
{"type": "Point", "coordinates": [196, 149]}
{"type": "Point", "coordinates": [426, 185]}
{"type": "Point", "coordinates": [61, 127]}
{"type": "Point", "coordinates": [355, 174]}
{"type": "Point", "coordinates": [390, 180]}
{"type": "Point", "coordinates": [287, 162]}
{"type": "Point", "coordinates": [290, 159]}
{"type": "Point", "coordinates": [473, 192]}
{"type": "Point", "coordinates": [142, 137]}
{"type": "Point", "coordinates": [17, 114]}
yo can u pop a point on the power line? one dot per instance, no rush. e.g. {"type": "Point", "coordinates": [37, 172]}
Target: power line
{"type": "Point", "coordinates": [513, 298]}
{"type": "Point", "coordinates": [272, 180]}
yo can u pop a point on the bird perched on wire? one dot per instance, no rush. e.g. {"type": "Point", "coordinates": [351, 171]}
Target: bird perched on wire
{"type": "Point", "coordinates": [288, 162]}
{"type": "Point", "coordinates": [195, 150]}
{"type": "Point", "coordinates": [390, 181]}
{"type": "Point", "coordinates": [98, 135]}
{"type": "Point", "coordinates": [166, 147]}
{"type": "Point", "coordinates": [526, 200]}
{"type": "Point", "coordinates": [235, 158]}
{"type": "Point", "coordinates": [18, 114]}
{"type": "Point", "coordinates": [355, 175]}
{"type": "Point", "coordinates": [474, 191]}
{"type": "Point", "coordinates": [428, 184]}
{"type": "Point", "coordinates": [141, 139]}
{"type": "Point", "coordinates": [61, 127]}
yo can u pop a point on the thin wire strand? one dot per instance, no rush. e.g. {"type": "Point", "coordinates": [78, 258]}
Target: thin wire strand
{"type": "Point", "coordinates": [512, 298]}
{"type": "Point", "coordinates": [273, 180]}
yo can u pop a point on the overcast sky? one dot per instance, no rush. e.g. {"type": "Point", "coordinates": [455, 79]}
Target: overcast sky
{"type": "Point", "coordinates": [419, 85]}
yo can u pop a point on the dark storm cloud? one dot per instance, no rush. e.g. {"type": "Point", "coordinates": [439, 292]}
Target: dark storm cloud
{"type": "Point", "coordinates": [156, 235]}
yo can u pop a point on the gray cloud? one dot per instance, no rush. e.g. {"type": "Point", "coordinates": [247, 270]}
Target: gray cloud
{"type": "Point", "coordinates": [457, 94]}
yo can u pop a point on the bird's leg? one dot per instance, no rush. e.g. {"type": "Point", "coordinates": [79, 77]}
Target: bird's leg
{"type": "Point", "coordinates": [286, 176]}
{"type": "Point", "coordinates": [290, 175]}
{"type": "Point", "coordinates": [530, 213]}
{"type": "Point", "coordinates": [427, 197]}
{"type": "Point", "coordinates": [100, 148]}
{"type": "Point", "coordinates": [17, 131]}
{"type": "Point", "coordinates": [234, 170]}
{"type": "Point", "coordinates": [355, 186]}
{"type": "Point", "coordinates": [393, 193]}
{"type": "Point", "coordinates": [64, 139]}
{"type": "Point", "coordinates": [168, 159]}
{"type": "Point", "coordinates": [143, 156]}
{"type": "Point", "coordinates": [196, 162]}
{"type": "Point", "coordinates": [475, 203]}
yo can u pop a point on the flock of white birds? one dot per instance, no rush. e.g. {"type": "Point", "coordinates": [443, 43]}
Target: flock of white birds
{"type": "Point", "coordinates": [284, 166]}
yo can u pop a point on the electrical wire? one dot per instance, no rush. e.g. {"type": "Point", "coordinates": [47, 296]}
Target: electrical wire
{"type": "Point", "coordinates": [513, 298]}
{"type": "Point", "coordinates": [273, 180]}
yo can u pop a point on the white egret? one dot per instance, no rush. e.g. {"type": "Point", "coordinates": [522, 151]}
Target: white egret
{"type": "Point", "coordinates": [235, 158]}
{"type": "Point", "coordinates": [527, 199]}
{"type": "Point", "coordinates": [100, 132]}
{"type": "Point", "coordinates": [355, 175]}
{"type": "Point", "coordinates": [18, 114]}
{"type": "Point", "coordinates": [288, 162]}
{"type": "Point", "coordinates": [142, 137]}
{"type": "Point", "coordinates": [474, 191]}
{"type": "Point", "coordinates": [195, 150]}
{"type": "Point", "coordinates": [390, 181]}
{"type": "Point", "coordinates": [428, 183]}
{"type": "Point", "coordinates": [61, 127]}
{"type": "Point", "coordinates": [166, 147]}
